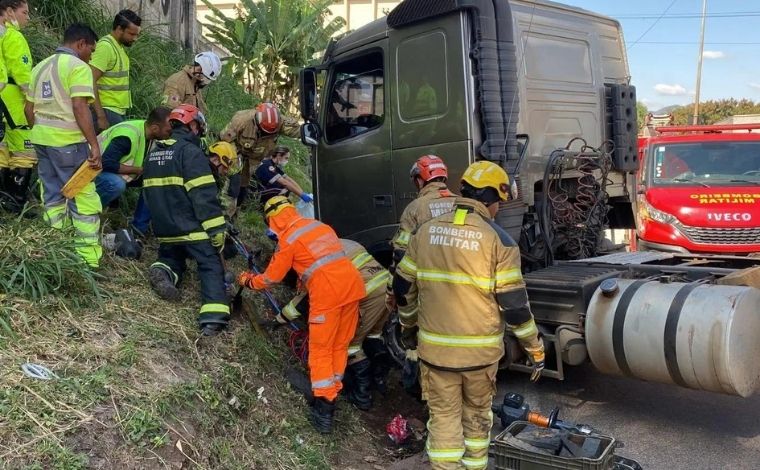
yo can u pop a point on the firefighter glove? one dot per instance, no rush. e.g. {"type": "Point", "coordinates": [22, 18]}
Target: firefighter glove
{"type": "Point", "coordinates": [537, 359]}
{"type": "Point", "coordinates": [306, 197]}
{"type": "Point", "coordinates": [281, 320]}
{"type": "Point", "coordinates": [271, 235]}
{"type": "Point", "coordinates": [409, 338]}
{"type": "Point", "coordinates": [245, 278]}
{"type": "Point", "coordinates": [217, 240]}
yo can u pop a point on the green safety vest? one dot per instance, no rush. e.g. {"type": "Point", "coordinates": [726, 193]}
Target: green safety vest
{"type": "Point", "coordinates": [113, 85]}
{"type": "Point", "coordinates": [135, 132]}
{"type": "Point", "coordinates": [55, 81]}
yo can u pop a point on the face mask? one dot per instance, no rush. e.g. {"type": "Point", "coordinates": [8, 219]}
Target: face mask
{"type": "Point", "coordinates": [283, 163]}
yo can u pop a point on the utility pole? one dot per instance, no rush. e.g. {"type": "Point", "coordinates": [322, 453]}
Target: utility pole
{"type": "Point", "coordinates": [695, 120]}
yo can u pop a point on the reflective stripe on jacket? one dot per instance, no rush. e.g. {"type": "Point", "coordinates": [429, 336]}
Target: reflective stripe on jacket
{"type": "Point", "coordinates": [135, 132]}
{"type": "Point", "coordinates": [181, 191]}
{"type": "Point", "coordinates": [113, 85]}
{"type": "Point", "coordinates": [456, 267]}
{"type": "Point", "coordinates": [55, 81]}
{"type": "Point", "coordinates": [433, 200]}
{"type": "Point", "coordinates": [17, 59]}
{"type": "Point", "coordinates": [314, 251]}
{"type": "Point", "coordinates": [373, 275]}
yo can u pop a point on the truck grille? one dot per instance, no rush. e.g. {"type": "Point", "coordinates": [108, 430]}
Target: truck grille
{"type": "Point", "coordinates": [722, 236]}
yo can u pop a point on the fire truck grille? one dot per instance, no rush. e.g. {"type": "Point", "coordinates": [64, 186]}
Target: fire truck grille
{"type": "Point", "coordinates": [722, 236]}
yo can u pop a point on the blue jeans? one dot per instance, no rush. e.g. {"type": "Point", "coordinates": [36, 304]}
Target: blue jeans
{"type": "Point", "coordinates": [109, 187]}
{"type": "Point", "coordinates": [141, 219]}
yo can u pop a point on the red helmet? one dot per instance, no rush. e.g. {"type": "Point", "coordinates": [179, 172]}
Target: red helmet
{"type": "Point", "coordinates": [268, 117]}
{"type": "Point", "coordinates": [429, 167]}
{"type": "Point", "coordinates": [186, 113]}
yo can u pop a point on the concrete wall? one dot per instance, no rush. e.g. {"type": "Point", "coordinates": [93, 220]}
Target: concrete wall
{"type": "Point", "coordinates": [175, 19]}
{"type": "Point", "coordinates": [357, 13]}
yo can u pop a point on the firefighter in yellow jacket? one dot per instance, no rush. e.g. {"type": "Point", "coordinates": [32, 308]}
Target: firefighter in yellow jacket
{"type": "Point", "coordinates": [255, 132]}
{"type": "Point", "coordinates": [460, 282]}
{"type": "Point", "coordinates": [429, 174]}
{"type": "Point", "coordinates": [367, 356]}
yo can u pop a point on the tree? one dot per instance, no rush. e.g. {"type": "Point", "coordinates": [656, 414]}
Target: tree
{"type": "Point", "coordinates": [713, 111]}
{"type": "Point", "coordinates": [271, 40]}
{"type": "Point", "coordinates": [641, 113]}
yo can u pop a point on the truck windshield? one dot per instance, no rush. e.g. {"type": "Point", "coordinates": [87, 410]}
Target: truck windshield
{"type": "Point", "coordinates": [705, 163]}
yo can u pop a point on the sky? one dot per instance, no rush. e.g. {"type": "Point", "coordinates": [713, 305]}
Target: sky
{"type": "Point", "coordinates": [662, 37]}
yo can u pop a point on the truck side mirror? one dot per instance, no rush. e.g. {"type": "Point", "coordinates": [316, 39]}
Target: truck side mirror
{"type": "Point", "coordinates": [308, 94]}
{"type": "Point", "coordinates": [310, 134]}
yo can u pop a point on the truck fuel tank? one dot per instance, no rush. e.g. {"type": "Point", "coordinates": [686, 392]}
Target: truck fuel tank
{"type": "Point", "coordinates": [694, 335]}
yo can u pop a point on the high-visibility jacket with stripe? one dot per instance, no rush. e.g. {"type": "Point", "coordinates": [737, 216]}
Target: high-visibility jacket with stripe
{"type": "Point", "coordinates": [250, 141]}
{"type": "Point", "coordinates": [18, 64]}
{"type": "Point", "coordinates": [135, 132]}
{"type": "Point", "coordinates": [111, 58]}
{"type": "Point", "coordinates": [433, 200]}
{"type": "Point", "coordinates": [3, 69]}
{"type": "Point", "coordinates": [460, 281]}
{"type": "Point", "coordinates": [55, 81]}
{"type": "Point", "coordinates": [314, 251]}
{"type": "Point", "coordinates": [181, 191]}
{"type": "Point", "coordinates": [373, 275]}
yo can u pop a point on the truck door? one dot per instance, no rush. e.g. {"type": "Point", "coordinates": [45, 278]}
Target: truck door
{"type": "Point", "coordinates": [432, 97]}
{"type": "Point", "coordinates": [353, 171]}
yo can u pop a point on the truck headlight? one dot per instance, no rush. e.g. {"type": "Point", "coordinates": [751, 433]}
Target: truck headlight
{"type": "Point", "coordinates": [648, 212]}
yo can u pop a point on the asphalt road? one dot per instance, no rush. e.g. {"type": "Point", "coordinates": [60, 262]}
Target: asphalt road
{"type": "Point", "coordinates": [662, 426]}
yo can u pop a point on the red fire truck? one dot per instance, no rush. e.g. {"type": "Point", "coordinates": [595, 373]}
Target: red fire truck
{"type": "Point", "coordinates": [699, 190]}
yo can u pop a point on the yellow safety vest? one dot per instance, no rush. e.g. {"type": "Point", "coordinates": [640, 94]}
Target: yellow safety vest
{"type": "Point", "coordinates": [113, 86]}
{"type": "Point", "coordinates": [55, 81]}
{"type": "Point", "coordinates": [135, 132]}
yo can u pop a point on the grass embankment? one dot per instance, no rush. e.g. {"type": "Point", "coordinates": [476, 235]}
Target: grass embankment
{"type": "Point", "coordinates": [135, 386]}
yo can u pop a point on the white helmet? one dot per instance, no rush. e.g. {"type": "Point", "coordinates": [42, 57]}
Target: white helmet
{"type": "Point", "coordinates": [211, 65]}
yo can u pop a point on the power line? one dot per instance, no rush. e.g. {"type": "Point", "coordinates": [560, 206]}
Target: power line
{"type": "Point", "coordinates": [706, 43]}
{"type": "Point", "coordinates": [652, 25]}
{"type": "Point", "coordinates": [731, 14]}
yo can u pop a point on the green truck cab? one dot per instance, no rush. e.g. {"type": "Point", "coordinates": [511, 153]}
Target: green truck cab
{"type": "Point", "coordinates": [465, 80]}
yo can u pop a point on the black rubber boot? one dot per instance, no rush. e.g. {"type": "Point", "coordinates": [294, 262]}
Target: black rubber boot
{"type": "Point", "coordinates": [18, 187]}
{"type": "Point", "coordinates": [359, 394]}
{"type": "Point", "coordinates": [322, 414]}
{"type": "Point", "coordinates": [5, 188]}
{"type": "Point", "coordinates": [380, 363]}
{"type": "Point", "coordinates": [161, 282]}
{"type": "Point", "coordinates": [211, 324]}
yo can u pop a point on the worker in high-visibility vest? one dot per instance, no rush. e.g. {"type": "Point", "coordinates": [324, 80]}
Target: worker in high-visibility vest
{"type": "Point", "coordinates": [17, 157]}
{"type": "Point", "coordinates": [460, 282]}
{"type": "Point", "coordinates": [64, 137]}
{"type": "Point", "coordinates": [124, 147]}
{"type": "Point", "coordinates": [110, 70]}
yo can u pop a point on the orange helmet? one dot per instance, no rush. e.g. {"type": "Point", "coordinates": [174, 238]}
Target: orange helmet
{"type": "Point", "coordinates": [187, 113]}
{"type": "Point", "coordinates": [268, 117]}
{"type": "Point", "coordinates": [429, 167]}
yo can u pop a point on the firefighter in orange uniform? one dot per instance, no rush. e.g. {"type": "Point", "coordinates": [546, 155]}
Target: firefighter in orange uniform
{"type": "Point", "coordinates": [335, 288]}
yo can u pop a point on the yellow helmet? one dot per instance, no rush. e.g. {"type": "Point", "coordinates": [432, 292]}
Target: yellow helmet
{"type": "Point", "coordinates": [485, 174]}
{"type": "Point", "coordinates": [275, 205]}
{"type": "Point", "coordinates": [226, 152]}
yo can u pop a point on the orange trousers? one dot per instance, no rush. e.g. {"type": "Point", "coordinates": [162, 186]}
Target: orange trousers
{"type": "Point", "coordinates": [330, 333]}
